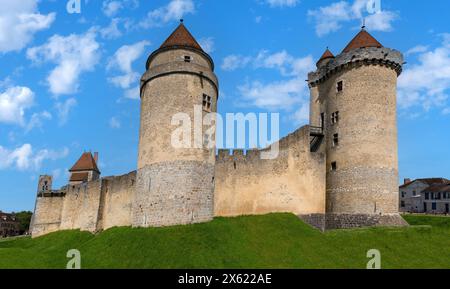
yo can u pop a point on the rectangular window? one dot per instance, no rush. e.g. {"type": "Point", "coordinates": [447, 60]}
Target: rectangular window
{"type": "Point", "coordinates": [414, 193]}
{"type": "Point", "coordinates": [334, 166]}
{"type": "Point", "coordinates": [403, 194]}
{"type": "Point", "coordinates": [187, 58]}
{"type": "Point", "coordinates": [340, 86]}
{"type": "Point", "coordinates": [335, 140]}
{"type": "Point", "coordinates": [207, 103]}
{"type": "Point", "coordinates": [434, 206]}
{"type": "Point", "coordinates": [427, 196]}
{"type": "Point", "coordinates": [335, 117]}
{"type": "Point", "coordinates": [403, 204]}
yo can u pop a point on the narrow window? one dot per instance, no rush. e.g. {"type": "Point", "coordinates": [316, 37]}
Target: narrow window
{"type": "Point", "coordinates": [403, 204]}
{"type": "Point", "coordinates": [335, 117]}
{"type": "Point", "coordinates": [335, 140]}
{"type": "Point", "coordinates": [187, 58]}
{"type": "Point", "coordinates": [433, 206]}
{"type": "Point", "coordinates": [207, 103]}
{"type": "Point", "coordinates": [427, 196]}
{"type": "Point", "coordinates": [340, 86]}
{"type": "Point", "coordinates": [334, 166]}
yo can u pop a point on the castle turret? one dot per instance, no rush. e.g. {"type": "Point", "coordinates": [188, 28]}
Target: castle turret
{"type": "Point", "coordinates": [85, 169]}
{"type": "Point", "coordinates": [44, 184]}
{"type": "Point", "coordinates": [175, 179]}
{"type": "Point", "coordinates": [354, 98]}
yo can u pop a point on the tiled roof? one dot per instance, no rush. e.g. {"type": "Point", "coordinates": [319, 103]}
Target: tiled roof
{"type": "Point", "coordinates": [79, 177]}
{"type": "Point", "coordinates": [362, 40]}
{"type": "Point", "coordinates": [326, 54]}
{"type": "Point", "coordinates": [85, 163]}
{"type": "Point", "coordinates": [181, 37]}
{"type": "Point", "coordinates": [429, 181]}
{"type": "Point", "coordinates": [440, 188]}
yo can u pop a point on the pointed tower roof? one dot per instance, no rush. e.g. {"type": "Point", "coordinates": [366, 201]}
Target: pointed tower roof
{"type": "Point", "coordinates": [326, 54]}
{"type": "Point", "coordinates": [85, 163]}
{"type": "Point", "coordinates": [362, 40]}
{"type": "Point", "coordinates": [181, 37]}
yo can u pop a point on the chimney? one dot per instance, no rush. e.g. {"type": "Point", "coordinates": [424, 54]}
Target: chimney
{"type": "Point", "coordinates": [406, 181]}
{"type": "Point", "coordinates": [96, 157]}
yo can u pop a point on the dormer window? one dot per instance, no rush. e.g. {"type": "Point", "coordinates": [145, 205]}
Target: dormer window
{"type": "Point", "coordinates": [207, 103]}
{"type": "Point", "coordinates": [187, 58]}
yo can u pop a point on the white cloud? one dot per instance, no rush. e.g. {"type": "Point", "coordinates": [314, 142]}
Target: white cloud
{"type": "Point", "coordinates": [73, 55]}
{"type": "Point", "coordinates": [174, 11]}
{"type": "Point", "coordinates": [273, 95]}
{"type": "Point", "coordinates": [282, 61]}
{"type": "Point", "coordinates": [23, 158]}
{"type": "Point", "coordinates": [133, 93]}
{"type": "Point", "coordinates": [233, 62]}
{"type": "Point", "coordinates": [13, 103]}
{"type": "Point", "coordinates": [114, 123]}
{"type": "Point", "coordinates": [37, 120]}
{"type": "Point", "coordinates": [19, 21]}
{"type": "Point", "coordinates": [207, 44]}
{"type": "Point", "coordinates": [417, 49]}
{"type": "Point", "coordinates": [330, 18]}
{"type": "Point", "coordinates": [122, 61]}
{"type": "Point", "coordinates": [427, 83]}
{"type": "Point", "coordinates": [289, 94]}
{"type": "Point", "coordinates": [64, 109]}
{"type": "Point", "coordinates": [112, 31]}
{"type": "Point", "coordinates": [282, 3]}
{"type": "Point", "coordinates": [112, 7]}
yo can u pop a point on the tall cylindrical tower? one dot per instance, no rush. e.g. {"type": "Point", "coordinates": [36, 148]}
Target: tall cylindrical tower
{"type": "Point", "coordinates": [175, 183]}
{"type": "Point", "coordinates": [358, 91]}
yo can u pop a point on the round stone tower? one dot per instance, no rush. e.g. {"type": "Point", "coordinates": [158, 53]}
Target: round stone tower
{"type": "Point", "coordinates": [175, 178]}
{"type": "Point", "coordinates": [356, 102]}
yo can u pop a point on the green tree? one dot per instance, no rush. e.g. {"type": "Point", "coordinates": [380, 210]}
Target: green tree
{"type": "Point", "coordinates": [24, 218]}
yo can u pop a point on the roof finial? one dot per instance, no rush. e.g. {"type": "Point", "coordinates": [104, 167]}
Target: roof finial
{"type": "Point", "coordinates": [181, 20]}
{"type": "Point", "coordinates": [364, 23]}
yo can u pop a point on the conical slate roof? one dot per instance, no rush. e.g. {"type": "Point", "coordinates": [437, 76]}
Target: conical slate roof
{"type": "Point", "coordinates": [85, 163]}
{"type": "Point", "coordinates": [326, 54]}
{"type": "Point", "coordinates": [362, 40]}
{"type": "Point", "coordinates": [181, 37]}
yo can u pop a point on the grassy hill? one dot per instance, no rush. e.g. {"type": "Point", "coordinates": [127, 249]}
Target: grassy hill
{"type": "Point", "coordinates": [270, 241]}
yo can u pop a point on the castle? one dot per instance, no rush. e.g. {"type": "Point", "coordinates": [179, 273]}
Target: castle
{"type": "Point", "coordinates": [341, 171]}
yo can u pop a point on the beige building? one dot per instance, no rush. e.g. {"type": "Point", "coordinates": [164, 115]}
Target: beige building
{"type": "Point", "coordinates": [340, 171]}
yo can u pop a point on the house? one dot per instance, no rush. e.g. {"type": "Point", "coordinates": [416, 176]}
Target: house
{"type": "Point", "coordinates": [9, 225]}
{"type": "Point", "coordinates": [429, 195]}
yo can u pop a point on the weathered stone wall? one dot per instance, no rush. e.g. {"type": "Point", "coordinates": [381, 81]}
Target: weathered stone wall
{"type": "Point", "coordinates": [80, 208]}
{"type": "Point", "coordinates": [178, 192]}
{"type": "Point", "coordinates": [47, 215]}
{"type": "Point", "coordinates": [175, 184]}
{"type": "Point", "coordinates": [293, 182]}
{"type": "Point", "coordinates": [116, 201]}
{"type": "Point", "coordinates": [366, 178]}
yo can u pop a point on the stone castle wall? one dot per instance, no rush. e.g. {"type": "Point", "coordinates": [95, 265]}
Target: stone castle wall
{"type": "Point", "coordinates": [293, 182]}
{"type": "Point", "coordinates": [93, 206]}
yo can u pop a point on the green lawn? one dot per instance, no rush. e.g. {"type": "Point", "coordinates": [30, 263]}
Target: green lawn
{"type": "Point", "coordinates": [270, 241]}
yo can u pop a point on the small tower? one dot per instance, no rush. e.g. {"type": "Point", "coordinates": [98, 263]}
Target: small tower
{"type": "Point", "coordinates": [353, 97]}
{"type": "Point", "coordinates": [45, 184]}
{"type": "Point", "coordinates": [175, 184]}
{"type": "Point", "coordinates": [85, 169]}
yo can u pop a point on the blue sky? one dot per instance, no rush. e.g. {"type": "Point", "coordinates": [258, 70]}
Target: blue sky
{"type": "Point", "coordinates": [68, 82]}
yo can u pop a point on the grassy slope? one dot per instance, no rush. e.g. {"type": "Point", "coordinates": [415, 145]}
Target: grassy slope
{"type": "Point", "coordinates": [271, 241]}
